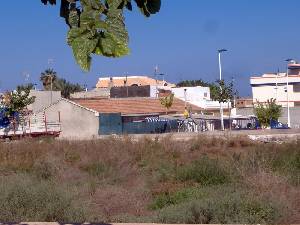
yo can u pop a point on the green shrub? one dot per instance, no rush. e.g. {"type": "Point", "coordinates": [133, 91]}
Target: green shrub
{"type": "Point", "coordinates": [72, 157]}
{"type": "Point", "coordinates": [164, 170]}
{"type": "Point", "coordinates": [167, 199]}
{"type": "Point", "coordinates": [288, 163]}
{"type": "Point", "coordinates": [220, 205]}
{"type": "Point", "coordinates": [25, 199]}
{"type": "Point", "coordinates": [97, 169]}
{"type": "Point", "coordinates": [204, 171]}
{"type": "Point", "coordinates": [44, 170]}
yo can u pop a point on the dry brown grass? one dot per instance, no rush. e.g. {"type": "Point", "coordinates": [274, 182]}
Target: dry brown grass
{"type": "Point", "coordinates": [121, 178]}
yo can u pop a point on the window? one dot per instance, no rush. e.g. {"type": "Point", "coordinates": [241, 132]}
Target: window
{"type": "Point", "coordinates": [297, 104]}
{"type": "Point", "coordinates": [205, 95]}
{"type": "Point", "coordinates": [296, 87]}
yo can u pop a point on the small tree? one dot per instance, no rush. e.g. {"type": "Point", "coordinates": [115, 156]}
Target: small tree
{"type": "Point", "coordinates": [167, 102]}
{"type": "Point", "coordinates": [266, 112]}
{"type": "Point", "coordinates": [223, 92]}
{"type": "Point", "coordinates": [16, 102]}
{"type": "Point", "coordinates": [24, 87]}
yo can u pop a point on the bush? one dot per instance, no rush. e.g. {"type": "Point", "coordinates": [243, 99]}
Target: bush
{"type": "Point", "coordinates": [288, 163]}
{"type": "Point", "coordinates": [25, 199]}
{"type": "Point", "coordinates": [96, 169]}
{"type": "Point", "coordinates": [44, 170]}
{"type": "Point", "coordinates": [72, 157]}
{"type": "Point", "coordinates": [167, 199]}
{"type": "Point", "coordinates": [204, 171]}
{"type": "Point", "coordinates": [220, 205]}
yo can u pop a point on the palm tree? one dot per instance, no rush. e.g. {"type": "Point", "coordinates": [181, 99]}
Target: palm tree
{"type": "Point", "coordinates": [48, 77]}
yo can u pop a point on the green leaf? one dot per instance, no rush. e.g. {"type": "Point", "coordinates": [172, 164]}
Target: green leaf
{"type": "Point", "coordinates": [83, 46]}
{"type": "Point", "coordinates": [73, 18]}
{"type": "Point", "coordinates": [149, 7]}
{"type": "Point", "coordinates": [114, 4]}
{"type": "Point", "coordinates": [116, 25]}
{"type": "Point", "coordinates": [98, 26]}
{"type": "Point", "coordinates": [94, 4]}
{"type": "Point", "coordinates": [109, 46]}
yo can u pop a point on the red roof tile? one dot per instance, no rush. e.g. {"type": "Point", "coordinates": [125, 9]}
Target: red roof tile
{"type": "Point", "coordinates": [133, 105]}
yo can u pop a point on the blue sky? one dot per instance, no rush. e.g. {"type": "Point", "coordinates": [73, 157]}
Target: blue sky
{"type": "Point", "coordinates": [182, 39]}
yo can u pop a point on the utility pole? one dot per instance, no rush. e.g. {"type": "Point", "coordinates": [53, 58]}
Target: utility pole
{"type": "Point", "coordinates": [185, 98]}
{"type": "Point", "coordinates": [51, 61]}
{"type": "Point", "coordinates": [287, 92]}
{"type": "Point", "coordinates": [276, 89]}
{"type": "Point", "coordinates": [220, 51]}
{"type": "Point", "coordinates": [155, 74]}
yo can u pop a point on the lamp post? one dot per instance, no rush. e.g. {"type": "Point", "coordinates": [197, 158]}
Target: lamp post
{"type": "Point", "coordinates": [51, 61]}
{"type": "Point", "coordinates": [220, 51]}
{"type": "Point", "coordinates": [185, 98]}
{"type": "Point", "coordinates": [287, 92]}
{"type": "Point", "coordinates": [156, 81]}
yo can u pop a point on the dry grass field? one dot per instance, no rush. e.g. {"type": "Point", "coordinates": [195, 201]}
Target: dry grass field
{"type": "Point", "coordinates": [203, 180]}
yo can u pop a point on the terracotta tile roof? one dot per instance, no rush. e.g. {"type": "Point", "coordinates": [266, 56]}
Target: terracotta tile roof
{"type": "Point", "coordinates": [133, 105]}
{"type": "Point", "coordinates": [131, 80]}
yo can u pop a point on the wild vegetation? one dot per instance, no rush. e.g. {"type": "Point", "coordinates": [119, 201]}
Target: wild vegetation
{"type": "Point", "coordinates": [204, 180]}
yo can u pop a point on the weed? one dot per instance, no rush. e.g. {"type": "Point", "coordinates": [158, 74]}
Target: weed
{"type": "Point", "coordinates": [25, 199]}
{"type": "Point", "coordinates": [217, 206]}
{"type": "Point", "coordinates": [205, 171]}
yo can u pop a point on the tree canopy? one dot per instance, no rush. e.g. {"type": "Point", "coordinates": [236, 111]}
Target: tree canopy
{"type": "Point", "coordinates": [227, 93]}
{"type": "Point", "coordinates": [17, 101]}
{"type": "Point", "coordinates": [167, 102]}
{"type": "Point", "coordinates": [58, 84]}
{"type": "Point", "coordinates": [266, 112]}
{"type": "Point", "coordinates": [98, 26]}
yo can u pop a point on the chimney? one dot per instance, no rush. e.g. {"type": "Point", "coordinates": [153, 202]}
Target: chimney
{"type": "Point", "coordinates": [111, 83]}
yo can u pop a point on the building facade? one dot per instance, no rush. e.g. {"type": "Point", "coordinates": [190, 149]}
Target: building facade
{"type": "Point", "coordinates": [199, 96]}
{"type": "Point", "coordinates": [43, 99]}
{"type": "Point", "coordinates": [275, 86]}
{"type": "Point", "coordinates": [109, 82]}
{"type": "Point", "coordinates": [244, 103]}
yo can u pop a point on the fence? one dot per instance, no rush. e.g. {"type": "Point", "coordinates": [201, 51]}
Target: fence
{"type": "Point", "coordinates": [32, 125]}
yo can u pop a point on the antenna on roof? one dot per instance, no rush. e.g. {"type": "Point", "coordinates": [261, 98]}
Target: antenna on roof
{"type": "Point", "coordinates": [156, 69]}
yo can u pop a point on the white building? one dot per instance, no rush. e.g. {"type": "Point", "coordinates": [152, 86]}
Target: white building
{"type": "Point", "coordinates": [199, 96]}
{"type": "Point", "coordinates": [274, 86]}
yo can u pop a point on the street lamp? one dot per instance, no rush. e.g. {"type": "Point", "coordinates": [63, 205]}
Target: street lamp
{"type": "Point", "coordinates": [287, 92]}
{"type": "Point", "coordinates": [220, 51]}
{"type": "Point", "coordinates": [185, 98]}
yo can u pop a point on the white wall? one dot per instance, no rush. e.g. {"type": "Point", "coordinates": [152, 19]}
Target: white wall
{"type": "Point", "coordinates": [43, 99]}
{"type": "Point", "coordinates": [199, 96]}
{"type": "Point", "coordinates": [264, 88]}
{"type": "Point", "coordinates": [76, 122]}
{"type": "Point", "coordinates": [194, 95]}
{"type": "Point", "coordinates": [263, 93]}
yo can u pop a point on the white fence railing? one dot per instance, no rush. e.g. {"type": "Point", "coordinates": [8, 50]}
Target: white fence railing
{"type": "Point", "coordinates": [32, 125]}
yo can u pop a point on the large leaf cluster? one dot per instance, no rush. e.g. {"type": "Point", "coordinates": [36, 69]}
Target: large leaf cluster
{"type": "Point", "coordinates": [98, 26]}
